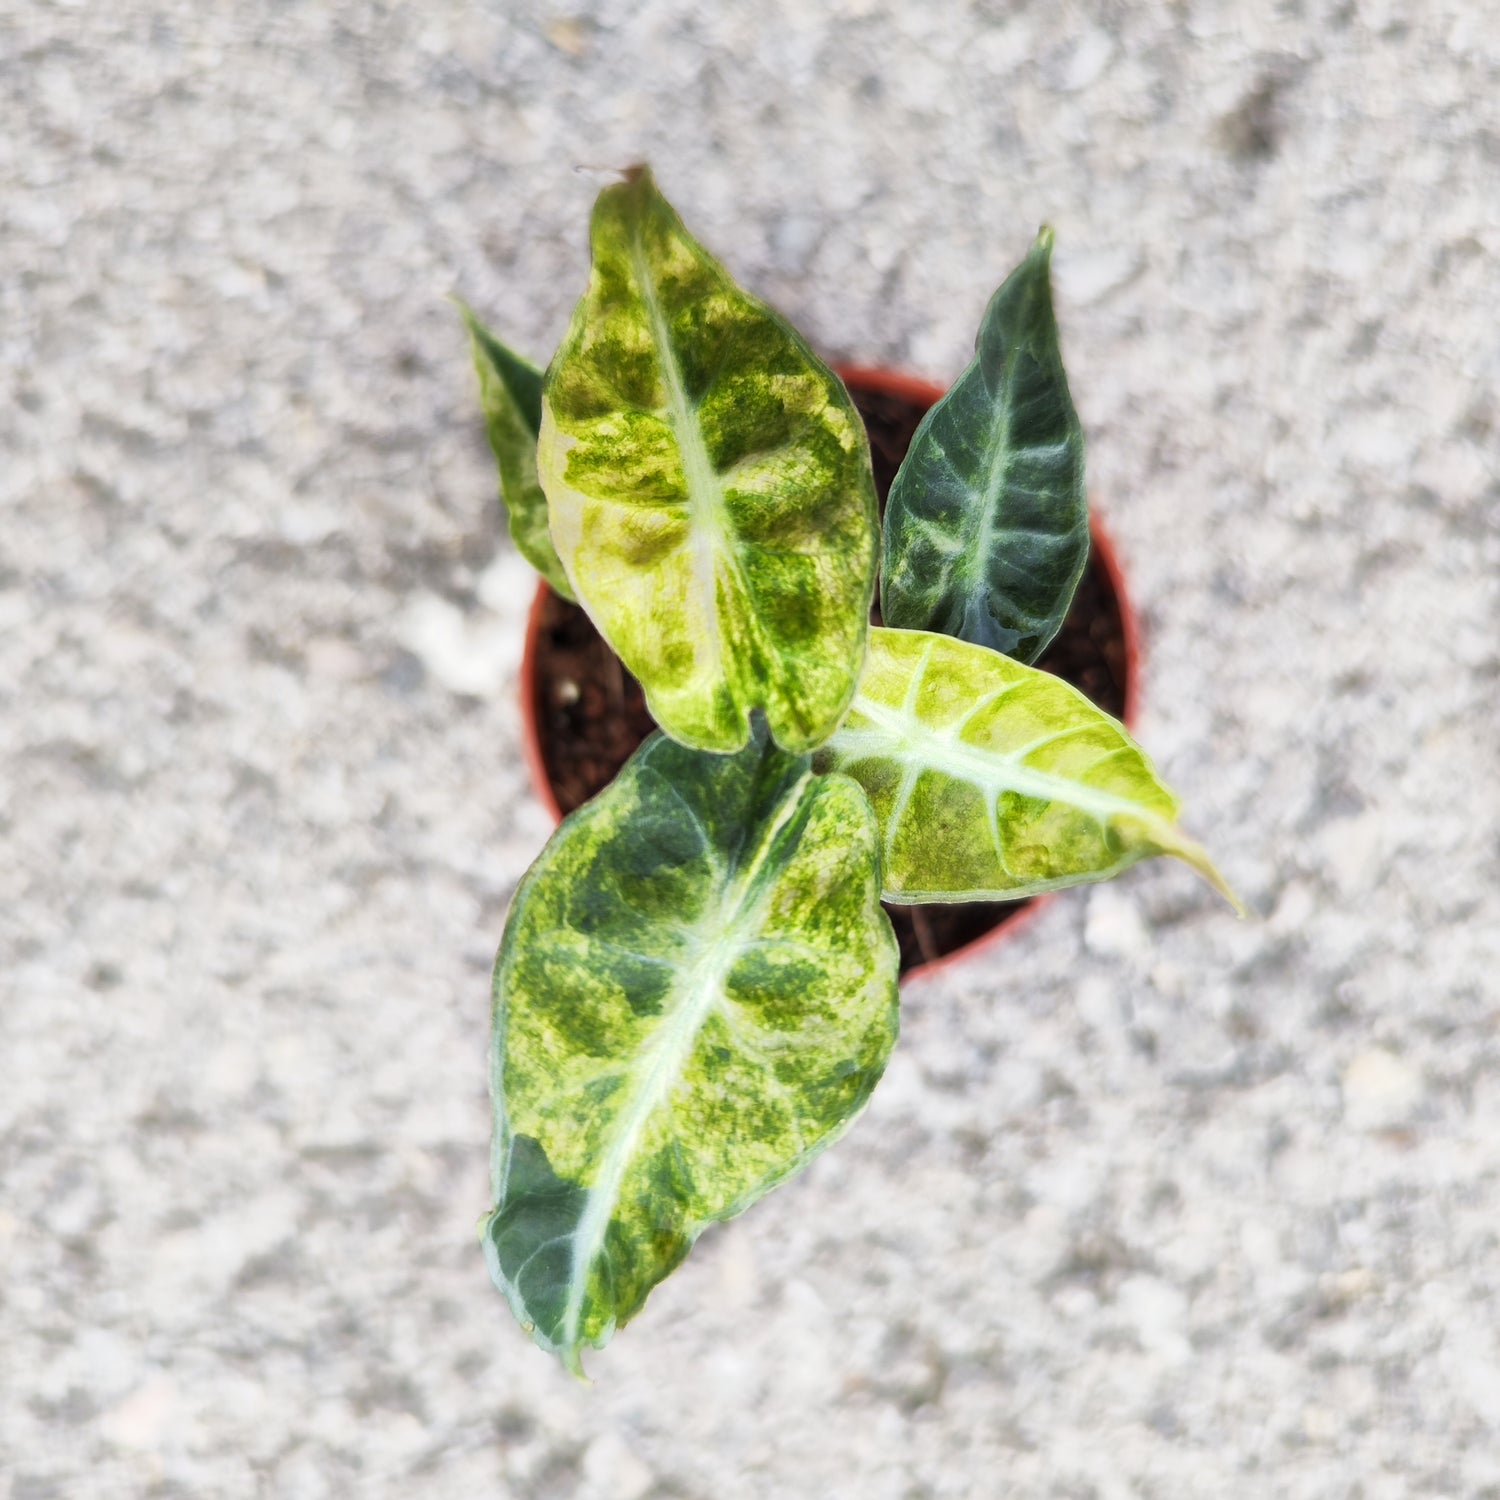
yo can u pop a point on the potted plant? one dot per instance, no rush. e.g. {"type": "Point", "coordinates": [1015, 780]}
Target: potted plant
{"type": "Point", "coordinates": [696, 989]}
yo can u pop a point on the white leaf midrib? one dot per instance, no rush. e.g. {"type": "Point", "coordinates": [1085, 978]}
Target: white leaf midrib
{"type": "Point", "coordinates": [706, 507]}
{"type": "Point", "coordinates": [697, 995]}
{"type": "Point", "coordinates": [971, 560]}
{"type": "Point", "coordinates": [916, 748]}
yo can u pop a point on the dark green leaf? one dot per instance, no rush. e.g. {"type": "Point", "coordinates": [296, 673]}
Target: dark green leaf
{"type": "Point", "coordinates": [986, 528]}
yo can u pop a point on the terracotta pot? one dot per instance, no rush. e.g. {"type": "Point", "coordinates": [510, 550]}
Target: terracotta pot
{"type": "Point", "coordinates": [923, 393]}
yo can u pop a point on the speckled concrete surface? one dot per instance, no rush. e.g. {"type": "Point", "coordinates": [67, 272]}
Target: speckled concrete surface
{"type": "Point", "coordinates": [1151, 1203]}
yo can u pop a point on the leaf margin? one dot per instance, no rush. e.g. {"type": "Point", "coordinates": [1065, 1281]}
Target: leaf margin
{"type": "Point", "coordinates": [510, 398]}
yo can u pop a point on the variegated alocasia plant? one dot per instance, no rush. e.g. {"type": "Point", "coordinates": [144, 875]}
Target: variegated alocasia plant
{"type": "Point", "coordinates": [696, 989]}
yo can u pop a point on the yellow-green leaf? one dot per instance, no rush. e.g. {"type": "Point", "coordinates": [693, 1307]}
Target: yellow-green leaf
{"type": "Point", "coordinates": [510, 395]}
{"type": "Point", "coordinates": [993, 780]}
{"type": "Point", "coordinates": [696, 992]}
{"type": "Point", "coordinates": [709, 486]}
{"type": "Point", "coordinates": [987, 527]}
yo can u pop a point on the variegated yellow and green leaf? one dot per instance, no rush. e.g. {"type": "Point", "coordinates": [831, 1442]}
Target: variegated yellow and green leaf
{"type": "Point", "coordinates": [993, 780]}
{"type": "Point", "coordinates": [696, 992]}
{"type": "Point", "coordinates": [709, 487]}
{"type": "Point", "coordinates": [510, 395]}
{"type": "Point", "coordinates": [986, 528]}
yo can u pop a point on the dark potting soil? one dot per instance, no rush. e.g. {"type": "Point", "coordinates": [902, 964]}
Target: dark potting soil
{"type": "Point", "coordinates": [591, 713]}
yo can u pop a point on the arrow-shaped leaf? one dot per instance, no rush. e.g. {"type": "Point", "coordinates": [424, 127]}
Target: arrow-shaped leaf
{"type": "Point", "coordinates": [510, 395]}
{"type": "Point", "coordinates": [986, 528]}
{"type": "Point", "coordinates": [710, 488]}
{"type": "Point", "coordinates": [696, 992]}
{"type": "Point", "coordinates": [993, 780]}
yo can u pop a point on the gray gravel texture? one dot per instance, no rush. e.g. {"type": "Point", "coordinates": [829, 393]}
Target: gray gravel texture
{"type": "Point", "coordinates": [1152, 1203]}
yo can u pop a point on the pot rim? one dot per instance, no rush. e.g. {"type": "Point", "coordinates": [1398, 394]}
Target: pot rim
{"type": "Point", "coordinates": [910, 388]}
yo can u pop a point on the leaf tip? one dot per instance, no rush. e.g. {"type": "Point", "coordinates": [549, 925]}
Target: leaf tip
{"type": "Point", "coordinates": [476, 330]}
{"type": "Point", "coordinates": [472, 326]}
{"type": "Point", "coordinates": [638, 184]}
{"type": "Point", "coordinates": [1045, 236]}
{"type": "Point", "coordinates": [479, 335]}
{"type": "Point", "coordinates": [623, 203]}
{"type": "Point", "coordinates": [1196, 855]}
